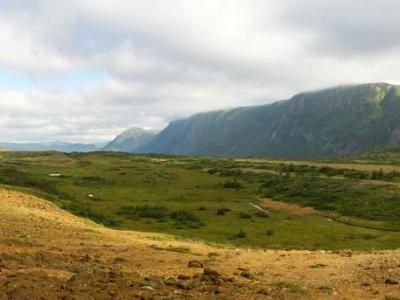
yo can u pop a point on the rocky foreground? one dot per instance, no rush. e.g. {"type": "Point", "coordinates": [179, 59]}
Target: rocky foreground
{"type": "Point", "coordinates": [47, 253]}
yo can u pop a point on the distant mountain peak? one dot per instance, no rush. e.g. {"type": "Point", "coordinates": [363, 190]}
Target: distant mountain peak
{"type": "Point", "coordinates": [130, 140]}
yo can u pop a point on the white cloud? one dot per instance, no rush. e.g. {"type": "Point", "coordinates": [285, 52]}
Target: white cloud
{"type": "Point", "coordinates": [168, 59]}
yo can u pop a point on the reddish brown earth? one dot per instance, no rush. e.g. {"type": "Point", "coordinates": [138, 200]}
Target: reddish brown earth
{"type": "Point", "coordinates": [286, 207]}
{"type": "Point", "coordinates": [47, 253]}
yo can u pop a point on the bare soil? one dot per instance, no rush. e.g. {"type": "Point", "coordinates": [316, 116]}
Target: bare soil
{"type": "Point", "coordinates": [47, 253]}
{"type": "Point", "coordinates": [293, 209]}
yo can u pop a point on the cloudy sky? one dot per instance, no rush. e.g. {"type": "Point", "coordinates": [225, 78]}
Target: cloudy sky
{"type": "Point", "coordinates": [84, 70]}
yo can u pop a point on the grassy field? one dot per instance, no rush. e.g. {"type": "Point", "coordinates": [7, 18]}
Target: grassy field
{"type": "Point", "coordinates": [210, 199]}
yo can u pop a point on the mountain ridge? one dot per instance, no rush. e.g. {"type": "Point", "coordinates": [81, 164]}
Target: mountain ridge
{"type": "Point", "coordinates": [329, 122]}
{"type": "Point", "coordinates": [51, 146]}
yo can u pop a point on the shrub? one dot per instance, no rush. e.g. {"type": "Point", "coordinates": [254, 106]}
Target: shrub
{"type": "Point", "coordinates": [270, 233]}
{"type": "Point", "coordinates": [97, 217]}
{"type": "Point", "coordinates": [212, 171]}
{"type": "Point", "coordinates": [186, 218]}
{"type": "Point", "coordinates": [241, 234]}
{"type": "Point", "coordinates": [232, 185]}
{"type": "Point", "coordinates": [90, 181]}
{"type": "Point", "coordinates": [262, 214]}
{"type": "Point", "coordinates": [244, 215]}
{"type": "Point", "coordinates": [146, 211]}
{"type": "Point", "coordinates": [212, 256]}
{"type": "Point", "coordinates": [222, 210]}
{"type": "Point", "coordinates": [368, 236]}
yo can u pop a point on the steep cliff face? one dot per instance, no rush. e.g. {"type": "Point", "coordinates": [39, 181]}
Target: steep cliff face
{"type": "Point", "coordinates": [324, 123]}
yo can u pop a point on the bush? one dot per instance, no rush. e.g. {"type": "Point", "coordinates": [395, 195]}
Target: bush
{"type": "Point", "coordinates": [222, 210]}
{"type": "Point", "coordinates": [232, 185]}
{"type": "Point", "coordinates": [244, 215]}
{"type": "Point", "coordinates": [90, 180]}
{"type": "Point", "coordinates": [97, 217]}
{"type": "Point", "coordinates": [269, 233]}
{"type": "Point", "coordinates": [182, 218]}
{"type": "Point", "coordinates": [241, 234]}
{"type": "Point", "coordinates": [368, 237]}
{"type": "Point", "coordinates": [146, 211]}
{"type": "Point", "coordinates": [186, 218]}
{"type": "Point", "coordinates": [262, 214]}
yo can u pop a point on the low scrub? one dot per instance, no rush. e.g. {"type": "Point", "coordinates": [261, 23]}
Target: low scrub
{"type": "Point", "coordinates": [179, 217]}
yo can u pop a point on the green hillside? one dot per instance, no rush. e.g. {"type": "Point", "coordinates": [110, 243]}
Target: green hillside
{"type": "Point", "coordinates": [213, 199]}
{"type": "Point", "coordinates": [337, 121]}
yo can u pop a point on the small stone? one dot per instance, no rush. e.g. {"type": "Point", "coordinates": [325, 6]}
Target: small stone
{"type": "Point", "coordinates": [183, 277]}
{"type": "Point", "coordinates": [391, 281]}
{"type": "Point", "coordinates": [182, 286]}
{"type": "Point", "coordinates": [228, 279]}
{"type": "Point", "coordinates": [195, 264]}
{"type": "Point", "coordinates": [170, 281]}
{"type": "Point", "coordinates": [86, 258]}
{"type": "Point", "coordinates": [246, 274]}
{"type": "Point", "coordinates": [345, 253]}
{"type": "Point", "coordinates": [147, 288]}
{"type": "Point", "coordinates": [264, 291]}
{"type": "Point", "coordinates": [3, 296]}
{"type": "Point", "coordinates": [177, 292]}
{"type": "Point", "coordinates": [210, 272]}
{"type": "Point", "coordinates": [218, 290]}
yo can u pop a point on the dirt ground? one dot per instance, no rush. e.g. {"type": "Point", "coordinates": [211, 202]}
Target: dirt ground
{"type": "Point", "coordinates": [286, 207]}
{"type": "Point", "coordinates": [47, 253]}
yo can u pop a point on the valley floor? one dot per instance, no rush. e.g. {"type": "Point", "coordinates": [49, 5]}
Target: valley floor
{"type": "Point", "coordinates": [47, 253]}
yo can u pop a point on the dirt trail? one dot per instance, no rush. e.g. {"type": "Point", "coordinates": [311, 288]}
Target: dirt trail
{"type": "Point", "coordinates": [46, 253]}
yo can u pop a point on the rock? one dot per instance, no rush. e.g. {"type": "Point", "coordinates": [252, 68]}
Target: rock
{"type": "Point", "coordinates": [147, 288]}
{"type": "Point", "coordinates": [170, 281]}
{"type": "Point", "coordinates": [195, 283]}
{"type": "Point", "coordinates": [391, 281]}
{"type": "Point", "coordinates": [85, 258]}
{"type": "Point", "coordinates": [210, 272]}
{"type": "Point", "coordinates": [344, 253]}
{"type": "Point", "coordinates": [183, 277]}
{"type": "Point", "coordinates": [195, 264]}
{"type": "Point", "coordinates": [119, 260]}
{"type": "Point", "coordinates": [228, 279]}
{"type": "Point", "coordinates": [113, 274]}
{"type": "Point", "coordinates": [183, 285]}
{"type": "Point", "coordinates": [153, 281]}
{"type": "Point", "coordinates": [218, 290]}
{"type": "Point", "coordinates": [264, 291]}
{"type": "Point", "coordinates": [3, 296]}
{"type": "Point", "coordinates": [177, 293]}
{"type": "Point", "coordinates": [247, 274]}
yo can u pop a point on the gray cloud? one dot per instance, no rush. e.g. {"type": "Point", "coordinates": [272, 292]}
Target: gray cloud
{"type": "Point", "coordinates": [168, 59]}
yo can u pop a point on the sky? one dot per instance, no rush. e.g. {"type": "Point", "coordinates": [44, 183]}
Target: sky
{"type": "Point", "coordinates": [85, 70]}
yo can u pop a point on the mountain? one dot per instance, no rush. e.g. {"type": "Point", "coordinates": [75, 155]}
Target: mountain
{"type": "Point", "coordinates": [51, 146]}
{"type": "Point", "coordinates": [130, 140]}
{"type": "Point", "coordinates": [335, 121]}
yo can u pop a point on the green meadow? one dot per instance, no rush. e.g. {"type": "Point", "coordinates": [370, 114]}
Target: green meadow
{"type": "Point", "coordinates": [210, 199]}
